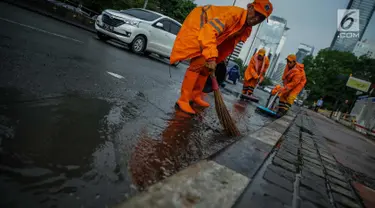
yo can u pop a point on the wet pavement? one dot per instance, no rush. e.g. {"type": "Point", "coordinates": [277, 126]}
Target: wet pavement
{"type": "Point", "coordinates": [354, 151]}
{"type": "Point", "coordinates": [300, 172]}
{"type": "Point", "coordinates": [72, 134]}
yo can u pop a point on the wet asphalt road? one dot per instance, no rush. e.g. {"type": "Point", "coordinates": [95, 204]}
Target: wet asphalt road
{"type": "Point", "coordinates": [73, 135]}
{"type": "Point", "coordinates": [352, 149]}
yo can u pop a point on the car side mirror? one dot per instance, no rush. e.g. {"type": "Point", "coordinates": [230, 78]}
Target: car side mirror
{"type": "Point", "coordinates": [159, 24]}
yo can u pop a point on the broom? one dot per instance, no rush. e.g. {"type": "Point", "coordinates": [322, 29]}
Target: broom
{"type": "Point", "coordinates": [222, 112]}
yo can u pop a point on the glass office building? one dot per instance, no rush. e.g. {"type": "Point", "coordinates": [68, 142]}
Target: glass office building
{"type": "Point", "coordinates": [303, 51]}
{"type": "Point", "coordinates": [269, 36]}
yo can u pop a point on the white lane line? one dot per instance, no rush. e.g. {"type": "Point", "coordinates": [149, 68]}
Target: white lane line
{"type": "Point", "coordinates": [115, 75]}
{"type": "Point", "coordinates": [40, 30]}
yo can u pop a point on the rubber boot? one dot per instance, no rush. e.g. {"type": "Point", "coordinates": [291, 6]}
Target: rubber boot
{"type": "Point", "coordinates": [281, 112]}
{"type": "Point", "coordinates": [197, 91]}
{"type": "Point", "coordinates": [187, 92]}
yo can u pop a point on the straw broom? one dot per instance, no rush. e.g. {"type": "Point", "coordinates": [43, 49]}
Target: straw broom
{"type": "Point", "coordinates": [222, 112]}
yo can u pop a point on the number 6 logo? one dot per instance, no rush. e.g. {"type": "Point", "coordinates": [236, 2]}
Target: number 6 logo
{"type": "Point", "coordinates": [348, 20]}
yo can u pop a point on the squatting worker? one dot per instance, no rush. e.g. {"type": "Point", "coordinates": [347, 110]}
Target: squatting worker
{"type": "Point", "coordinates": [294, 80]}
{"type": "Point", "coordinates": [254, 73]}
{"type": "Point", "coordinates": [207, 36]}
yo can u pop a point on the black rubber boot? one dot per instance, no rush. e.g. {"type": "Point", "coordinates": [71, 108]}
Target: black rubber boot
{"type": "Point", "coordinates": [281, 112]}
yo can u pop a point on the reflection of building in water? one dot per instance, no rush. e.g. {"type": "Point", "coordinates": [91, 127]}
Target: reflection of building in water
{"type": "Point", "coordinates": [303, 51]}
{"type": "Point", "coordinates": [367, 8]}
{"type": "Point", "coordinates": [279, 72]}
{"type": "Point", "coordinates": [270, 35]}
{"type": "Point", "coordinates": [366, 48]}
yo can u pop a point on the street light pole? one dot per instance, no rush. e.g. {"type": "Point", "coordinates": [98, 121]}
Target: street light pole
{"type": "Point", "coordinates": [145, 4]}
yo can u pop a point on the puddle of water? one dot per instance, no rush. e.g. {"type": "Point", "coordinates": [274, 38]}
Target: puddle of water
{"type": "Point", "coordinates": [185, 139]}
{"type": "Point", "coordinates": [72, 151]}
{"type": "Point", "coordinates": [53, 149]}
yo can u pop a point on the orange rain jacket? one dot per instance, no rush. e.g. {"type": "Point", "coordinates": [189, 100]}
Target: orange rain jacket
{"type": "Point", "coordinates": [256, 69]}
{"type": "Point", "coordinates": [211, 31]}
{"type": "Point", "coordinates": [294, 79]}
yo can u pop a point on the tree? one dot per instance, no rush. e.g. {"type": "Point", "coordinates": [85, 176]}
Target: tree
{"type": "Point", "coordinates": [266, 81]}
{"type": "Point", "coordinates": [328, 72]}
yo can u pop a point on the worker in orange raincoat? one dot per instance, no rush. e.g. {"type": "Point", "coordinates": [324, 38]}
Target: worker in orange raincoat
{"type": "Point", "coordinates": [207, 36]}
{"type": "Point", "coordinates": [254, 73]}
{"type": "Point", "coordinates": [294, 80]}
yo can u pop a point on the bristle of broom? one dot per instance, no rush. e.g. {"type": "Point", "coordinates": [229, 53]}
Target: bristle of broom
{"type": "Point", "coordinates": [224, 116]}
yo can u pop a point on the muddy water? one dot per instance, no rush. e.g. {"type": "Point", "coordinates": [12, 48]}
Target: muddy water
{"type": "Point", "coordinates": [73, 151]}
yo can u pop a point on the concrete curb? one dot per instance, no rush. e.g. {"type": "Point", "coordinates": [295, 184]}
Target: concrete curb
{"type": "Point", "coordinates": [47, 14]}
{"type": "Point", "coordinates": [219, 180]}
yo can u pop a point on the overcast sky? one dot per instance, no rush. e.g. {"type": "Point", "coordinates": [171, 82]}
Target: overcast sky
{"type": "Point", "coordinates": [310, 21]}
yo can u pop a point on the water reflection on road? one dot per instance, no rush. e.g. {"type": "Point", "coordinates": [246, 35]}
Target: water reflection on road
{"type": "Point", "coordinates": [71, 150]}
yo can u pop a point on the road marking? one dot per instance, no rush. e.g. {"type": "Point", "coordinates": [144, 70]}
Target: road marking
{"type": "Point", "coordinates": [115, 75]}
{"type": "Point", "coordinates": [40, 30]}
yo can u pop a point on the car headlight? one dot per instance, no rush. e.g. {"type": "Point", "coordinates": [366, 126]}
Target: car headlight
{"type": "Point", "coordinates": [131, 22]}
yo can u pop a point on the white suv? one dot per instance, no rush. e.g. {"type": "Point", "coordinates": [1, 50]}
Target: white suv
{"type": "Point", "coordinates": [143, 30]}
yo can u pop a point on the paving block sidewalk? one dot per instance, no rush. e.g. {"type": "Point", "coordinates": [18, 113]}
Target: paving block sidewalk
{"type": "Point", "coordinates": [301, 172]}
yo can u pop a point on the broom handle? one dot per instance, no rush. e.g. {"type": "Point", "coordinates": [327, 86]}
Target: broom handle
{"type": "Point", "coordinates": [272, 100]}
{"type": "Point", "coordinates": [215, 85]}
{"type": "Point", "coordinates": [260, 73]}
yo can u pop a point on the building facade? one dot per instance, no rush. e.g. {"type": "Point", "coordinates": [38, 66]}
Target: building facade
{"type": "Point", "coordinates": [236, 52]}
{"type": "Point", "coordinates": [303, 51]}
{"type": "Point", "coordinates": [347, 43]}
{"type": "Point", "coordinates": [366, 48]}
{"type": "Point", "coordinates": [273, 66]}
{"type": "Point", "coordinates": [269, 35]}
{"type": "Point", "coordinates": [279, 71]}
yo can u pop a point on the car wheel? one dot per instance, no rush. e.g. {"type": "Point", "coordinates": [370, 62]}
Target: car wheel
{"type": "Point", "coordinates": [103, 37]}
{"type": "Point", "coordinates": [139, 44]}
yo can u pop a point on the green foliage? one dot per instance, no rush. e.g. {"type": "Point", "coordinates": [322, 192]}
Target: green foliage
{"type": "Point", "coordinates": [266, 81]}
{"type": "Point", "coordinates": [329, 71]}
{"type": "Point", "coordinates": [176, 9]}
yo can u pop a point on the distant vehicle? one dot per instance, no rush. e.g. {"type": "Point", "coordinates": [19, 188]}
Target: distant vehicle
{"type": "Point", "coordinates": [298, 102]}
{"type": "Point", "coordinates": [143, 30]}
{"type": "Point", "coordinates": [268, 89]}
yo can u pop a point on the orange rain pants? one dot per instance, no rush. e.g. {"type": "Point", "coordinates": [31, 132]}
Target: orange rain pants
{"type": "Point", "coordinates": [286, 100]}
{"type": "Point", "coordinates": [248, 86]}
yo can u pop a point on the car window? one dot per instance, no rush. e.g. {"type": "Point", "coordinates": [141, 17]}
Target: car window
{"type": "Point", "coordinates": [175, 28]}
{"type": "Point", "coordinates": [141, 14]}
{"type": "Point", "coordinates": [166, 24]}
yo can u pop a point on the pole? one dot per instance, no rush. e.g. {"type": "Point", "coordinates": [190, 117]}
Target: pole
{"type": "Point", "coordinates": [145, 4]}
{"type": "Point", "coordinates": [234, 2]}
{"type": "Point", "coordinates": [252, 43]}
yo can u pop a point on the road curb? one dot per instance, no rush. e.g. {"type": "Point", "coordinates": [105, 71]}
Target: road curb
{"type": "Point", "coordinates": [47, 14]}
{"type": "Point", "coordinates": [219, 180]}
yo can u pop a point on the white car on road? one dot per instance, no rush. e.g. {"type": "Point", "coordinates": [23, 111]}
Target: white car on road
{"type": "Point", "coordinates": [143, 30]}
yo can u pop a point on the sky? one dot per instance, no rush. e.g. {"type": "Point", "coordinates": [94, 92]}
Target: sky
{"type": "Point", "coordinates": [310, 21]}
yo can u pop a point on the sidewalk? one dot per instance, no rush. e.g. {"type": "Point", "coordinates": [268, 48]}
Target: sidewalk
{"type": "Point", "coordinates": [302, 172]}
